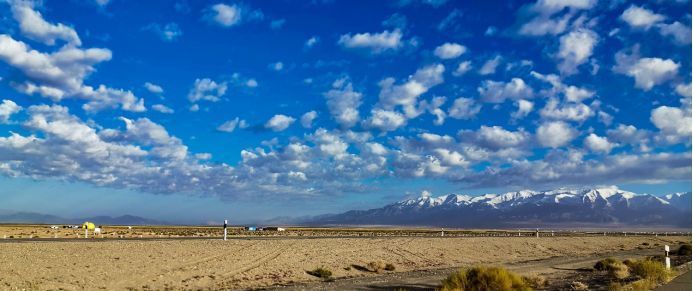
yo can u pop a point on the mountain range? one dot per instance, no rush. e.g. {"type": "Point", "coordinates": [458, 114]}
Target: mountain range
{"type": "Point", "coordinates": [7, 216]}
{"type": "Point", "coordinates": [596, 207]}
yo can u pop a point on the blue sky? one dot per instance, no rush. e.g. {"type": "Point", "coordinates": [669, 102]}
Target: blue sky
{"type": "Point", "coordinates": [193, 111]}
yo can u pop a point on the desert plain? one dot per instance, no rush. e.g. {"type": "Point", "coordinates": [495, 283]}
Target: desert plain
{"type": "Point", "coordinates": [248, 261]}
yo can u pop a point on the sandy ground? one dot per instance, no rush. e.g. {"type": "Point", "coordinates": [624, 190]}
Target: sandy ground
{"type": "Point", "coordinates": [250, 263]}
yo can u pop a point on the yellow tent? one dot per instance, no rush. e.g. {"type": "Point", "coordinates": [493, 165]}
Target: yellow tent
{"type": "Point", "coordinates": [88, 225]}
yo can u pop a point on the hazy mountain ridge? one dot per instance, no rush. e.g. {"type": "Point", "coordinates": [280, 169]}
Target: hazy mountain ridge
{"type": "Point", "coordinates": [607, 206]}
{"type": "Point", "coordinates": [32, 217]}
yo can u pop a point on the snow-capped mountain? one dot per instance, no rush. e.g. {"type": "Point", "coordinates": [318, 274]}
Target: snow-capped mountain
{"type": "Point", "coordinates": [599, 206]}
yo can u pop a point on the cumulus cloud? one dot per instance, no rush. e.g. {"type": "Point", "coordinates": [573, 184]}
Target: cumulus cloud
{"type": "Point", "coordinates": [575, 49]}
{"type": "Point", "coordinates": [598, 144]}
{"type": "Point", "coordinates": [168, 32]}
{"type": "Point", "coordinates": [279, 122]}
{"type": "Point", "coordinates": [230, 15]}
{"type": "Point", "coordinates": [567, 111]}
{"type": "Point", "coordinates": [555, 134]}
{"type": "Point", "coordinates": [153, 88]}
{"type": "Point", "coordinates": [385, 120]}
{"type": "Point", "coordinates": [343, 103]}
{"type": "Point", "coordinates": [524, 107]}
{"type": "Point", "coordinates": [162, 108]}
{"type": "Point", "coordinates": [278, 66]}
{"type": "Point", "coordinates": [640, 18]}
{"type": "Point", "coordinates": [7, 108]}
{"type": "Point", "coordinates": [498, 92]}
{"type": "Point", "coordinates": [311, 42]}
{"type": "Point", "coordinates": [406, 95]}
{"type": "Point", "coordinates": [462, 68]}
{"type": "Point", "coordinates": [231, 125]}
{"type": "Point", "coordinates": [674, 123]}
{"type": "Point", "coordinates": [61, 74]}
{"type": "Point", "coordinates": [490, 66]}
{"type": "Point", "coordinates": [449, 50]}
{"type": "Point", "coordinates": [495, 137]}
{"type": "Point", "coordinates": [464, 108]}
{"type": "Point", "coordinates": [376, 43]}
{"type": "Point", "coordinates": [648, 72]}
{"type": "Point", "coordinates": [33, 26]}
{"type": "Point", "coordinates": [307, 119]}
{"type": "Point", "coordinates": [680, 33]}
{"type": "Point", "coordinates": [207, 89]}
{"type": "Point", "coordinates": [544, 17]}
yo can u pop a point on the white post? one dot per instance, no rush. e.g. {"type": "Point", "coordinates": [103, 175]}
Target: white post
{"type": "Point", "coordinates": [86, 233]}
{"type": "Point", "coordinates": [225, 222]}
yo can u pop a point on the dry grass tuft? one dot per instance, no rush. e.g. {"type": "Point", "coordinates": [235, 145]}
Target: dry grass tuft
{"type": "Point", "coordinates": [321, 272]}
{"type": "Point", "coordinates": [376, 266]}
{"type": "Point", "coordinates": [485, 278]}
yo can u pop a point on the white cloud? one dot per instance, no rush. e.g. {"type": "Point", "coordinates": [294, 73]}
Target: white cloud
{"type": "Point", "coordinates": [162, 108]}
{"type": "Point", "coordinates": [462, 68]}
{"type": "Point", "coordinates": [407, 94]}
{"type": "Point", "coordinates": [61, 74]}
{"type": "Point", "coordinates": [102, 3]}
{"type": "Point", "coordinates": [33, 26]}
{"type": "Point", "coordinates": [598, 144]}
{"type": "Point", "coordinates": [498, 92]}
{"type": "Point", "coordinates": [251, 83]}
{"type": "Point", "coordinates": [279, 122]}
{"type": "Point", "coordinates": [464, 108]}
{"type": "Point", "coordinates": [224, 15]}
{"type": "Point", "coordinates": [545, 17]}
{"type": "Point", "coordinates": [555, 134]}
{"type": "Point", "coordinates": [648, 72]}
{"type": "Point", "coordinates": [385, 120]}
{"type": "Point", "coordinates": [376, 42]}
{"type": "Point", "coordinates": [168, 32]}
{"type": "Point", "coordinates": [343, 103]}
{"type": "Point", "coordinates": [207, 89]}
{"type": "Point", "coordinates": [576, 94]}
{"type": "Point", "coordinates": [680, 33]}
{"type": "Point", "coordinates": [7, 108]}
{"type": "Point", "coordinates": [230, 125]}
{"type": "Point", "coordinates": [575, 49]}
{"type": "Point", "coordinates": [640, 18]}
{"type": "Point", "coordinates": [153, 88]}
{"type": "Point", "coordinates": [674, 123]}
{"type": "Point", "coordinates": [524, 107]}
{"type": "Point", "coordinates": [495, 137]}
{"type": "Point", "coordinates": [449, 50]}
{"type": "Point", "coordinates": [311, 42]}
{"type": "Point", "coordinates": [307, 119]}
{"type": "Point", "coordinates": [278, 66]}
{"type": "Point", "coordinates": [490, 66]}
{"type": "Point", "coordinates": [567, 111]}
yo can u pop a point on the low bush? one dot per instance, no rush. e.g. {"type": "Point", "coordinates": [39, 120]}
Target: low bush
{"type": "Point", "coordinates": [684, 250]}
{"type": "Point", "coordinates": [389, 267]}
{"type": "Point", "coordinates": [535, 281]}
{"type": "Point", "coordinates": [650, 270]}
{"type": "Point", "coordinates": [603, 264]}
{"type": "Point", "coordinates": [577, 285]}
{"type": "Point", "coordinates": [618, 271]}
{"type": "Point", "coordinates": [320, 272]}
{"type": "Point", "coordinates": [376, 266]}
{"type": "Point", "coordinates": [484, 278]}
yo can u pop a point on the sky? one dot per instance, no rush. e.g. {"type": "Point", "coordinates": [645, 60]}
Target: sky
{"type": "Point", "coordinates": [197, 111]}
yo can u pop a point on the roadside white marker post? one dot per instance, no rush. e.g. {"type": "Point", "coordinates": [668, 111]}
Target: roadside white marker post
{"type": "Point", "coordinates": [225, 222]}
{"type": "Point", "coordinates": [537, 232]}
{"type": "Point", "coordinates": [667, 261]}
{"type": "Point", "coordinates": [86, 233]}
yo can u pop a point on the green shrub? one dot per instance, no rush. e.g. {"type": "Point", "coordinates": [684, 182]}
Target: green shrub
{"type": "Point", "coordinates": [321, 272]}
{"type": "Point", "coordinates": [650, 270]}
{"type": "Point", "coordinates": [389, 267]}
{"type": "Point", "coordinates": [684, 250]}
{"type": "Point", "coordinates": [484, 278]}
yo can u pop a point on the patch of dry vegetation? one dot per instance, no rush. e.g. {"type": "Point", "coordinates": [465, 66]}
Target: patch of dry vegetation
{"type": "Point", "coordinates": [485, 278]}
